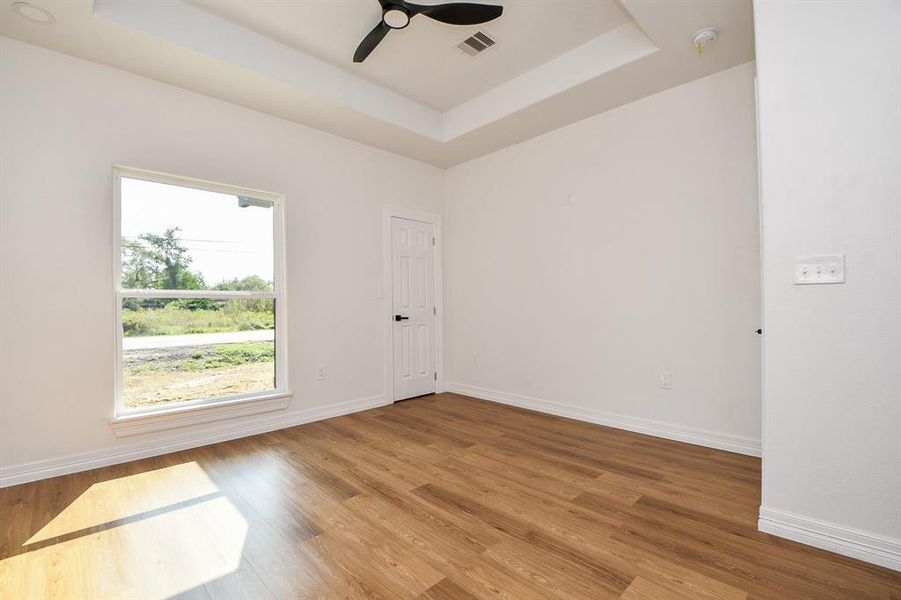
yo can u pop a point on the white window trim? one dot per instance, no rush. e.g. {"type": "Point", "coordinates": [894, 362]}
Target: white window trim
{"type": "Point", "coordinates": [134, 421]}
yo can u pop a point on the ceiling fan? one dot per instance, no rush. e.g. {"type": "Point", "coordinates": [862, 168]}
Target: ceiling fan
{"type": "Point", "coordinates": [396, 14]}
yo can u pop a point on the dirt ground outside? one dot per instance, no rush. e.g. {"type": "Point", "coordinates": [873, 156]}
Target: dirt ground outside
{"type": "Point", "coordinates": [154, 388]}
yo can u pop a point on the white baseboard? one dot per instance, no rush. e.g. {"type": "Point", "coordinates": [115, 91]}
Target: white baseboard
{"type": "Point", "coordinates": [699, 437]}
{"type": "Point", "coordinates": [862, 545]}
{"type": "Point", "coordinates": [63, 465]}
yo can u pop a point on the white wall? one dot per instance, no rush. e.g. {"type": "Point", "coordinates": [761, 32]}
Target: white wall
{"type": "Point", "coordinates": [653, 267]}
{"type": "Point", "coordinates": [63, 123]}
{"type": "Point", "coordinates": [830, 129]}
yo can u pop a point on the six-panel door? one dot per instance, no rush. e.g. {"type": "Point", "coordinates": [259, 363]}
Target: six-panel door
{"type": "Point", "coordinates": [413, 300]}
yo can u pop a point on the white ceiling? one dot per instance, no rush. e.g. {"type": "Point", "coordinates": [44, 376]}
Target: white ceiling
{"type": "Point", "coordinates": [416, 95]}
{"type": "Point", "coordinates": [422, 61]}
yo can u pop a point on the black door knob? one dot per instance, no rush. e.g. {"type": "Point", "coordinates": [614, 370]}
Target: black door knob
{"type": "Point", "coordinates": [400, 318]}
{"type": "Point", "coordinates": [760, 332]}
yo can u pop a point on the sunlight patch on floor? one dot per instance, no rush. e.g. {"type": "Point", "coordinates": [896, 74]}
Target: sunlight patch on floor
{"type": "Point", "coordinates": [182, 535]}
{"type": "Point", "coordinates": [109, 501]}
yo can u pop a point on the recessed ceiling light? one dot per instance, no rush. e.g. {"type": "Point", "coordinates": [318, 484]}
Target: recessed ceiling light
{"type": "Point", "coordinates": [33, 13]}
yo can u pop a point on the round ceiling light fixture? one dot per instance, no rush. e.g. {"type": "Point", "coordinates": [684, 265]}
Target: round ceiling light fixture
{"type": "Point", "coordinates": [704, 38]}
{"type": "Point", "coordinates": [33, 13]}
{"type": "Point", "coordinates": [396, 18]}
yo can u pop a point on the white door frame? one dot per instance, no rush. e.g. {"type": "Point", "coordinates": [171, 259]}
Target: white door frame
{"type": "Point", "coordinates": [389, 212]}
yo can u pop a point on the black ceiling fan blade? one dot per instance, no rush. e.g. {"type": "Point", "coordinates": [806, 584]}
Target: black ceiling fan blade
{"type": "Point", "coordinates": [371, 40]}
{"type": "Point", "coordinates": [458, 13]}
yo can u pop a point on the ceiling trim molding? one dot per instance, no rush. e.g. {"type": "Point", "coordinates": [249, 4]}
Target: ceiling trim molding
{"type": "Point", "coordinates": [194, 28]}
{"type": "Point", "coordinates": [607, 52]}
{"type": "Point", "coordinates": [186, 25]}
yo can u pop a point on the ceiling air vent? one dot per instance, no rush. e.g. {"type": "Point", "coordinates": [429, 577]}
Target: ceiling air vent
{"type": "Point", "coordinates": [476, 43]}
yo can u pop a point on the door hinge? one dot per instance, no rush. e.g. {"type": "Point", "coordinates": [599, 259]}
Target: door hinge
{"type": "Point", "coordinates": [436, 375]}
{"type": "Point", "coordinates": [433, 241]}
{"type": "Point", "coordinates": [435, 310]}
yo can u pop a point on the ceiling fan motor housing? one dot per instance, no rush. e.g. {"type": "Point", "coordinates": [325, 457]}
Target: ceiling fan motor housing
{"type": "Point", "coordinates": [395, 17]}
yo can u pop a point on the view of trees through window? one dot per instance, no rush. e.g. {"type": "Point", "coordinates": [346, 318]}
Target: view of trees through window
{"type": "Point", "coordinates": [177, 349]}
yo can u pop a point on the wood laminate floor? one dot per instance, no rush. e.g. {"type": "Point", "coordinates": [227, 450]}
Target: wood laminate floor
{"type": "Point", "coordinates": [442, 497]}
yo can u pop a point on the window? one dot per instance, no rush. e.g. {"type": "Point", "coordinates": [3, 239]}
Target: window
{"type": "Point", "coordinates": [199, 290]}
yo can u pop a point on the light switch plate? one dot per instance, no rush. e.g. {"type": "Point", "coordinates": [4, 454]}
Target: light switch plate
{"type": "Point", "coordinates": [810, 270]}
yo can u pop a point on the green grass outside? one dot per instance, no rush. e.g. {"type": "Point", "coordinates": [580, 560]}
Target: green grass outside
{"type": "Point", "coordinates": [210, 357]}
{"type": "Point", "coordinates": [180, 321]}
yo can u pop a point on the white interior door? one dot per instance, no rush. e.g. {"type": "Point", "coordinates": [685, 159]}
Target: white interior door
{"type": "Point", "coordinates": [413, 300]}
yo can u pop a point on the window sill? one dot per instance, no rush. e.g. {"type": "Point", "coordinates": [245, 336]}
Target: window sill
{"type": "Point", "coordinates": [136, 424]}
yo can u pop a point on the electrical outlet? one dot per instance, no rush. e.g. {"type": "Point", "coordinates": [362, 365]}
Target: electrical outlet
{"type": "Point", "coordinates": [666, 380]}
{"type": "Point", "coordinates": [321, 372]}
